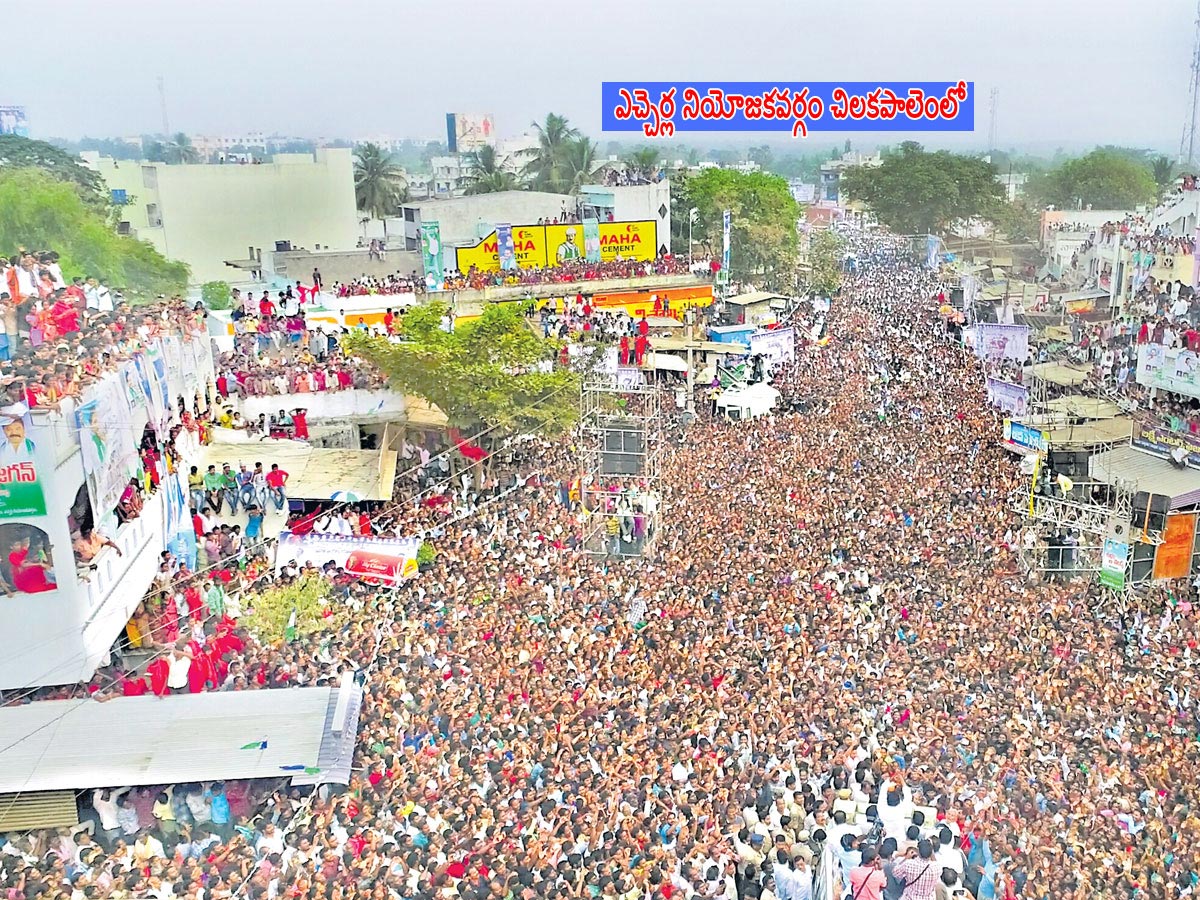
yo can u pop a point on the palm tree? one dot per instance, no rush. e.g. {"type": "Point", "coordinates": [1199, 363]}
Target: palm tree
{"type": "Point", "coordinates": [642, 163]}
{"type": "Point", "coordinates": [486, 175]}
{"type": "Point", "coordinates": [180, 150]}
{"type": "Point", "coordinates": [545, 169]}
{"type": "Point", "coordinates": [579, 164]}
{"type": "Point", "coordinates": [1164, 172]}
{"type": "Point", "coordinates": [379, 185]}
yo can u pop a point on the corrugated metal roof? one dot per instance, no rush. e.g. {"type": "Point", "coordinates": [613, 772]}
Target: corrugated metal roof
{"type": "Point", "coordinates": [1149, 473]}
{"type": "Point", "coordinates": [37, 809]}
{"type": "Point", "coordinates": [73, 744]}
{"type": "Point", "coordinates": [754, 297]}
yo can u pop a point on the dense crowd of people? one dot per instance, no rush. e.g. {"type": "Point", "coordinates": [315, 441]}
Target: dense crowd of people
{"type": "Point", "coordinates": [831, 613]}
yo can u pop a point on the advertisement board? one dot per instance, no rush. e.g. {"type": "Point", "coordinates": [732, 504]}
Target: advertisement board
{"type": "Point", "coordinates": [1159, 440]}
{"type": "Point", "coordinates": [1024, 438]}
{"type": "Point", "coordinates": [539, 246]}
{"type": "Point", "coordinates": [1173, 557]}
{"type": "Point", "coordinates": [13, 121]}
{"type": "Point", "coordinates": [378, 560]}
{"type": "Point", "coordinates": [1113, 560]}
{"type": "Point", "coordinates": [467, 132]}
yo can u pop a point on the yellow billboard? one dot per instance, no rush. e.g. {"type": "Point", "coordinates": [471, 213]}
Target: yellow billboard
{"type": "Point", "coordinates": [537, 246]}
{"type": "Point", "coordinates": [529, 247]}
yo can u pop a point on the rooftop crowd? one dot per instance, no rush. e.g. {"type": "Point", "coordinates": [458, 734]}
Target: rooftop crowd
{"type": "Point", "coordinates": [831, 612]}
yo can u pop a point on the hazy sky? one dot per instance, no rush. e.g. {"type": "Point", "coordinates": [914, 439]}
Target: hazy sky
{"type": "Point", "coordinates": [1069, 71]}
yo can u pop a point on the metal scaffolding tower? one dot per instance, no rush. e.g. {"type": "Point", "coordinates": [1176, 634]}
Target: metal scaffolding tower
{"type": "Point", "coordinates": [621, 445]}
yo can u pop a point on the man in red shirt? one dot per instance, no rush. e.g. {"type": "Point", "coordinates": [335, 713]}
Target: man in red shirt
{"type": "Point", "coordinates": [389, 321]}
{"type": "Point", "coordinates": [276, 479]}
{"type": "Point", "coordinates": [265, 306]}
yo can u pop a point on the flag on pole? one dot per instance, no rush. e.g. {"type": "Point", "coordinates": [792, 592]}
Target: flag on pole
{"type": "Point", "coordinates": [255, 745]}
{"type": "Point", "coordinates": [289, 632]}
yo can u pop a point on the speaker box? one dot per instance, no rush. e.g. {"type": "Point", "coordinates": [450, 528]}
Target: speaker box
{"type": "Point", "coordinates": [1150, 512]}
{"type": "Point", "coordinates": [956, 297]}
{"type": "Point", "coordinates": [624, 451]}
{"type": "Point", "coordinates": [1142, 567]}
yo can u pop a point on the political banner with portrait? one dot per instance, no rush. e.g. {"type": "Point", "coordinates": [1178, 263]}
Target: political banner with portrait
{"type": "Point", "coordinates": [374, 559]}
{"type": "Point", "coordinates": [110, 459]}
{"type": "Point", "coordinates": [431, 256]}
{"type": "Point", "coordinates": [505, 252]}
{"type": "Point", "coordinates": [777, 346]}
{"type": "Point", "coordinates": [591, 240]}
{"type": "Point", "coordinates": [995, 342]}
{"type": "Point", "coordinates": [1176, 369]}
{"type": "Point", "coordinates": [540, 246]}
{"type": "Point", "coordinates": [1007, 397]}
{"type": "Point", "coordinates": [21, 494]}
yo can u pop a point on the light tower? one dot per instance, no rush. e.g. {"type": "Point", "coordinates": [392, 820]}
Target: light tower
{"type": "Point", "coordinates": [1187, 145]}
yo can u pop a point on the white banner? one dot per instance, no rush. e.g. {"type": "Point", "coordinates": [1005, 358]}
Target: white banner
{"type": "Point", "coordinates": [994, 341]}
{"type": "Point", "coordinates": [381, 560]}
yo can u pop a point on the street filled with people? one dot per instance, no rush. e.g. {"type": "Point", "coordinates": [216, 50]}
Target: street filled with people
{"type": "Point", "coordinates": [831, 613]}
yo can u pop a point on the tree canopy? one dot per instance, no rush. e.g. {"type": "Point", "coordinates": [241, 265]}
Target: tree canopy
{"type": "Point", "coordinates": [918, 192]}
{"type": "Point", "coordinates": [486, 372]}
{"type": "Point", "coordinates": [547, 168]}
{"type": "Point", "coordinates": [1108, 178]}
{"type": "Point", "coordinates": [43, 212]}
{"type": "Point", "coordinates": [379, 185]}
{"type": "Point", "coordinates": [22, 153]}
{"type": "Point", "coordinates": [825, 261]}
{"type": "Point", "coordinates": [763, 217]}
{"type": "Point", "coordinates": [486, 174]}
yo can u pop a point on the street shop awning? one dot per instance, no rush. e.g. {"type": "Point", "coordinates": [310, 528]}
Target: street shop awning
{"type": "Point", "coordinates": [1148, 473]}
{"type": "Point", "coordinates": [81, 744]}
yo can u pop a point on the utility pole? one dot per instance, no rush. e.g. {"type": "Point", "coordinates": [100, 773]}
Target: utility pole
{"type": "Point", "coordinates": [689, 320]}
{"type": "Point", "coordinates": [693, 214]}
{"type": "Point", "coordinates": [162, 102]}
{"type": "Point", "coordinates": [995, 99]}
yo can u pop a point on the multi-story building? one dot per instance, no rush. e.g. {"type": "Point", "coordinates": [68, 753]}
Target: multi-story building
{"type": "Point", "coordinates": [209, 214]}
{"type": "Point", "coordinates": [67, 476]}
{"type": "Point", "coordinates": [831, 173]}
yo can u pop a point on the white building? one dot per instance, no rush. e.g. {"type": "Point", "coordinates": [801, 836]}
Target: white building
{"type": "Point", "coordinates": [831, 173]}
{"type": "Point", "coordinates": [207, 214]}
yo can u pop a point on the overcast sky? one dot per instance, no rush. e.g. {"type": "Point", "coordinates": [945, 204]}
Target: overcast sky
{"type": "Point", "coordinates": [1070, 72]}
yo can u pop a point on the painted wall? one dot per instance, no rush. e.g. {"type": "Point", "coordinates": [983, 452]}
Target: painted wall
{"type": "Point", "coordinates": [343, 266]}
{"type": "Point", "coordinates": [461, 218]}
{"type": "Point", "coordinates": [213, 213]}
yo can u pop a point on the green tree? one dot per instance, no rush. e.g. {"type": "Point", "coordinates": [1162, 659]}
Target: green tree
{"type": "Point", "coordinates": [486, 175]}
{"type": "Point", "coordinates": [762, 156]}
{"type": "Point", "coordinates": [178, 149]}
{"type": "Point", "coordinates": [42, 211]}
{"type": "Point", "coordinates": [1108, 178]}
{"type": "Point", "coordinates": [825, 261]}
{"type": "Point", "coordinates": [546, 168]}
{"type": "Point", "coordinates": [579, 164]}
{"type": "Point", "coordinates": [379, 185]}
{"type": "Point", "coordinates": [1163, 170]}
{"type": "Point", "coordinates": [763, 217]}
{"type": "Point", "coordinates": [216, 294]}
{"type": "Point", "coordinates": [483, 373]}
{"type": "Point", "coordinates": [270, 611]}
{"type": "Point", "coordinates": [1019, 221]}
{"type": "Point", "coordinates": [22, 153]}
{"type": "Point", "coordinates": [917, 192]}
{"type": "Point", "coordinates": [642, 163]}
